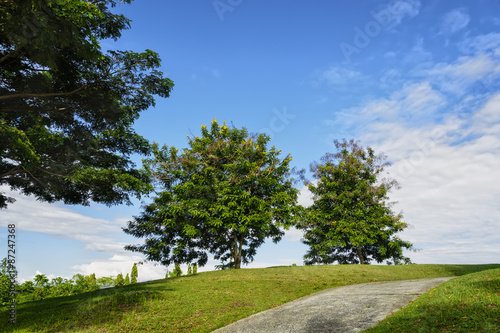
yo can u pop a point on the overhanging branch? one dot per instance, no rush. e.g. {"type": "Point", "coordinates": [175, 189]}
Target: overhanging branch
{"type": "Point", "coordinates": [46, 95]}
{"type": "Point", "coordinates": [8, 55]}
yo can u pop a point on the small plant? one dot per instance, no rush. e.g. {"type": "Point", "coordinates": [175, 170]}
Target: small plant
{"type": "Point", "coordinates": [127, 280]}
{"type": "Point", "coordinates": [223, 266]}
{"type": "Point", "coordinates": [195, 269]}
{"type": "Point", "coordinates": [120, 281]}
{"type": "Point", "coordinates": [190, 270]}
{"type": "Point", "coordinates": [177, 271]}
{"type": "Point", "coordinates": [134, 274]}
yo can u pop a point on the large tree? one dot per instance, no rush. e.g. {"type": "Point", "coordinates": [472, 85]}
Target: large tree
{"type": "Point", "coordinates": [67, 107]}
{"type": "Point", "coordinates": [351, 220]}
{"type": "Point", "coordinates": [224, 195]}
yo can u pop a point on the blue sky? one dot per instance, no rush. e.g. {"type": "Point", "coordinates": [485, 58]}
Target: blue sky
{"type": "Point", "coordinates": [417, 80]}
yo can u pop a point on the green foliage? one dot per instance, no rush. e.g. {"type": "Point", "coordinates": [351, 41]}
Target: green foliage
{"type": "Point", "coordinates": [106, 281]}
{"type": "Point", "coordinates": [224, 266]}
{"type": "Point", "coordinates": [26, 291]}
{"type": "Point", "coordinates": [5, 281]}
{"type": "Point", "coordinates": [350, 220]}
{"type": "Point", "coordinates": [190, 270]}
{"type": "Point", "coordinates": [134, 274]}
{"type": "Point", "coordinates": [67, 108]}
{"type": "Point", "coordinates": [41, 280]}
{"type": "Point", "coordinates": [84, 283]}
{"type": "Point", "coordinates": [120, 281]}
{"type": "Point", "coordinates": [91, 281]}
{"type": "Point", "coordinates": [127, 280]}
{"type": "Point", "coordinates": [177, 271]}
{"type": "Point", "coordinates": [195, 269]}
{"type": "Point", "coordinates": [224, 195]}
{"type": "Point", "coordinates": [40, 288]}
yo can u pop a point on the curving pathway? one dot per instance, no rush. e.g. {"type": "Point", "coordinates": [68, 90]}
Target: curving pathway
{"type": "Point", "coordinates": [345, 309]}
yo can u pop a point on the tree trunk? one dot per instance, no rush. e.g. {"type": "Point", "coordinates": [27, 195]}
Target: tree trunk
{"type": "Point", "coordinates": [236, 252]}
{"type": "Point", "coordinates": [360, 255]}
{"type": "Point", "coordinates": [238, 245]}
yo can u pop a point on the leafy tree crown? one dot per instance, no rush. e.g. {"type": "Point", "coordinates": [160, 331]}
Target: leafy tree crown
{"type": "Point", "coordinates": [351, 220]}
{"type": "Point", "coordinates": [223, 195]}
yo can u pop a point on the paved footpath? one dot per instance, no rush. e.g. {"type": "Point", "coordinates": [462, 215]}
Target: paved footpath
{"type": "Point", "coordinates": [345, 309]}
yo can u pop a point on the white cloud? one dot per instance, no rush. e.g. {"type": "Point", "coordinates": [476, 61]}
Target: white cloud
{"type": "Point", "coordinates": [487, 119]}
{"type": "Point", "coordinates": [37, 272]}
{"type": "Point", "coordinates": [412, 106]}
{"type": "Point", "coordinates": [398, 9]}
{"type": "Point", "coordinates": [58, 220]}
{"type": "Point", "coordinates": [293, 235]}
{"type": "Point", "coordinates": [148, 270]}
{"type": "Point", "coordinates": [122, 264]}
{"type": "Point", "coordinates": [305, 197]}
{"type": "Point", "coordinates": [339, 76]}
{"type": "Point", "coordinates": [458, 76]}
{"type": "Point", "coordinates": [481, 43]}
{"type": "Point", "coordinates": [454, 21]}
{"type": "Point", "coordinates": [449, 165]}
{"type": "Point", "coordinates": [449, 194]}
{"type": "Point", "coordinates": [418, 54]}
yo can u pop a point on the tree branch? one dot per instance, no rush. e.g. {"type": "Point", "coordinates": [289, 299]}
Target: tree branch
{"type": "Point", "coordinates": [50, 173]}
{"type": "Point", "coordinates": [31, 95]}
{"type": "Point", "coordinates": [8, 55]}
{"type": "Point", "coordinates": [36, 179]}
{"type": "Point", "coordinates": [11, 172]}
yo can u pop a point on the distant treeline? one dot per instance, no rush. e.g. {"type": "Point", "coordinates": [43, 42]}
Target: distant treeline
{"type": "Point", "coordinates": [41, 288]}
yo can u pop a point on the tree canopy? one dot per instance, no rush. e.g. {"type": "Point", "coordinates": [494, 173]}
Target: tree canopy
{"type": "Point", "coordinates": [67, 107]}
{"type": "Point", "coordinates": [351, 220]}
{"type": "Point", "coordinates": [224, 195]}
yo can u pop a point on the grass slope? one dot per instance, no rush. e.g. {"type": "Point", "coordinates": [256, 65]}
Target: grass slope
{"type": "Point", "coordinates": [206, 301]}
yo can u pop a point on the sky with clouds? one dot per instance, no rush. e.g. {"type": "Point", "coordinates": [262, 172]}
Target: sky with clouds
{"type": "Point", "coordinates": [416, 80]}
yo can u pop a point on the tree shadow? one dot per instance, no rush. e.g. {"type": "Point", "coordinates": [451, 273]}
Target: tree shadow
{"type": "Point", "coordinates": [459, 270]}
{"type": "Point", "coordinates": [83, 311]}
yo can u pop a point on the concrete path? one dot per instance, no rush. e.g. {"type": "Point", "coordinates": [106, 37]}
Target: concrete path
{"type": "Point", "coordinates": [345, 309]}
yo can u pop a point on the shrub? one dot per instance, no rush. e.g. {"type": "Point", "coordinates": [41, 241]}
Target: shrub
{"type": "Point", "coordinates": [177, 271]}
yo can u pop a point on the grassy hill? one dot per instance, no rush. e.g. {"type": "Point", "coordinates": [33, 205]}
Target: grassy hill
{"type": "Point", "coordinates": [207, 301]}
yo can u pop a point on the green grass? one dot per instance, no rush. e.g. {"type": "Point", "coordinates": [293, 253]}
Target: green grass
{"type": "Point", "coordinates": [206, 301]}
{"type": "Point", "coordinates": [470, 303]}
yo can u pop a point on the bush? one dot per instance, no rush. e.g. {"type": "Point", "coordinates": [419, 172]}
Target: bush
{"type": "Point", "coordinates": [177, 271]}
{"type": "Point", "coordinates": [120, 281]}
{"type": "Point", "coordinates": [134, 274]}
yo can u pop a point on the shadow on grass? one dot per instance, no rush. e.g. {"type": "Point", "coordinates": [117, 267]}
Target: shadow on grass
{"type": "Point", "coordinates": [459, 270]}
{"type": "Point", "coordinates": [447, 318]}
{"type": "Point", "coordinates": [81, 312]}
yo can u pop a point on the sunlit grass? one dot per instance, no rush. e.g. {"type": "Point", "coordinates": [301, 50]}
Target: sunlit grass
{"type": "Point", "coordinates": [206, 301]}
